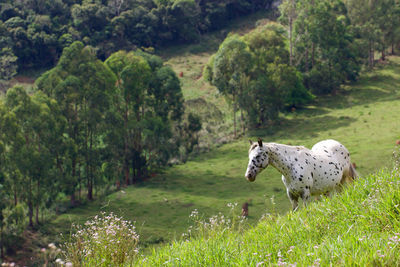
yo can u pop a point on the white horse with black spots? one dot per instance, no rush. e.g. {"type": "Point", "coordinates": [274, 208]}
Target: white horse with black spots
{"type": "Point", "coordinates": [324, 168]}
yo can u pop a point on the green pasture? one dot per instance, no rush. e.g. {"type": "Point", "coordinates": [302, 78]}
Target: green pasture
{"type": "Point", "coordinates": [358, 227]}
{"type": "Point", "coordinates": [364, 116]}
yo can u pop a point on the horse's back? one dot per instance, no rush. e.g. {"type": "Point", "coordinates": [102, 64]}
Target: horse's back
{"type": "Point", "coordinates": [330, 147]}
{"type": "Point", "coordinates": [333, 149]}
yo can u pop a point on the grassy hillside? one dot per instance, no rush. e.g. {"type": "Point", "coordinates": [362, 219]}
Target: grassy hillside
{"type": "Point", "coordinates": [359, 227]}
{"type": "Point", "coordinates": [364, 117]}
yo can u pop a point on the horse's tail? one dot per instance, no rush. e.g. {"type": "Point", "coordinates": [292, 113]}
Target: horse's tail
{"type": "Point", "coordinates": [352, 172]}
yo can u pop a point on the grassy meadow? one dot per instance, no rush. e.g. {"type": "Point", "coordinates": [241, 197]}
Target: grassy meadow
{"type": "Point", "coordinates": [359, 227]}
{"type": "Point", "coordinates": [364, 116]}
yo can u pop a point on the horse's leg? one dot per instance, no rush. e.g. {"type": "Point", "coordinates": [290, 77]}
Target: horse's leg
{"type": "Point", "coordinates": [306, 196]}
{"type": "Point", "coordinates": [294, 199]}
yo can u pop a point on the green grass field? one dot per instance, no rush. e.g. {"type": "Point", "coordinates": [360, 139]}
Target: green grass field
{"type": "Point", "coordinates": [364, 117]}
{"type": "Point", "coordinates": [359, 227]}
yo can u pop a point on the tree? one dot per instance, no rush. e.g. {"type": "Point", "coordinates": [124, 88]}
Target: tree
{"type": "Point", "coordinates": [84, 87]}
{"type": "Point", "coordinates": [8, 66]}
{"type": "Point", "coordinates": [133, 74]}
{"type": "Point", "coordinates": [288, 9]}
{"type": "Point", "coordinates": [150, 102]}
{"type": "Point", "coordinates": [28, 144]}
{"type": "Point", "coordinates": [8, 61]}
{"type": "Point", "coordinates": [228, 68]}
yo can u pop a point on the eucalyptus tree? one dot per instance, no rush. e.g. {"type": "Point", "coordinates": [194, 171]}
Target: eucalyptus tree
{"type": "Point", "coordinates": [288, 9]}
{"type": "Point", "coordinates": [375, 23]}
{"type": "Point", "coordinates": [149, 103]}
{"type": "Point", "coordinates": [228, 69]}
{"type": "Point", "coordinates": [84, 88]}
{"type": "Point", "coordinates": [336, 60]}
{"type": "Point", "coordinates": [274, 84]}
{"type": "Point", "coordinates": [255, 69]}
{"type": "Point", "coordinates": [324, 30]}
{"type": "Point", "coordinates": [133, 74]}
{"type": "Point", "coordinates": [27, 140]}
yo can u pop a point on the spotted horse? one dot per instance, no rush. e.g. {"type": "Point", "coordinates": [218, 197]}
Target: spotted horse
{"type": "Point", "coordinates": [324, 168]}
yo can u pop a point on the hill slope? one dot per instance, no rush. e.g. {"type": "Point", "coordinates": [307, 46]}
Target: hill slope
{"type": "Point", "coordinates": [364, 117]}
{"type": "Point", "coordinates": [360, 226]}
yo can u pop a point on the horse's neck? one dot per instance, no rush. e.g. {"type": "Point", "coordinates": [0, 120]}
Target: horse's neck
{"type": "Point", "coordinates": [282, 157]}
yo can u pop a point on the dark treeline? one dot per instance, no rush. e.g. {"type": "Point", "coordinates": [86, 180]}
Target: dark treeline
{"type": "Point", "coordinates": [88, 126]}
{"type": "Point", "coordinates": [36, 31]}
{"type": "Point", "coordinates": [319, 46]}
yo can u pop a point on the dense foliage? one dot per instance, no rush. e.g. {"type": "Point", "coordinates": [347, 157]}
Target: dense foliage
{"type": "Point", "coordinates": [324, 46]}
{"type": "Point", "coordinates": [329, 41]}
{"type": "Point", "coordinates": [88, 125]}
{"type": "Point", "coordinates": [38, 30]}
{"type": "Point", "coordinates": [254, 72]}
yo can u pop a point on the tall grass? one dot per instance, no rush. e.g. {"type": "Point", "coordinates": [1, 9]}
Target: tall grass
{"type": "Point", "coordinates": [103, 241]}
{"type": "Point", "coordinates": [358, 227]}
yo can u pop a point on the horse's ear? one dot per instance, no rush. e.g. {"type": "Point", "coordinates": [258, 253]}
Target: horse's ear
{"type": "Point", "coordinates": [260, 142]}
{"type": "Point", "coordinates": [251, 142]}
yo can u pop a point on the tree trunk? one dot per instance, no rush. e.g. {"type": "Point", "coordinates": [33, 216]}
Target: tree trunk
{"type": "Point", "coordinates": [306, 60]}
{"type": "Point", "coordinates": [126, 171]}
{"type": "Point", "coordinates": [89, 195]}
{"type": "Point", "coordinates": [1, 242]}
{"type": "Point", "coordinates": [72, 199]}
{"type": "Point", "coordinates": [234, 116]}
{"type": "Point", "coordinates": [72, 196]}
{"type": "Point", "coordinates": [370, 62]}
{"type": "Point", "coordinates": [242, 120]}
{"type": "Point", "coordinates": [79, 182]}
{"type": "Point", "coordinates": [290, 40]}
{"type": "Point", "coordinates": [37, 204]}
{"type": "Point", "coordinates": [312, 55]}
{"type": "Point", "coordinates": [30, 204]}
{"type": "Point", "coordinates": [15, 193]}
{"type": "Point", "coordinates": [91, 178]}
{"type": "Point", "coordinates": [126, 149]}
{"type": "Point", "coordinates": [372, 54]}
{"type": "Point", "coordinates": [37, 214]}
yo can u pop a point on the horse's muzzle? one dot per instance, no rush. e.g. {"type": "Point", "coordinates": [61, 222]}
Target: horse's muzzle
{"type": "Point", "coordinates": [250, 178]}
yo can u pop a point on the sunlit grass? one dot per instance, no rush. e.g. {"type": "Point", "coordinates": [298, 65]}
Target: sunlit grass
{"type": "Point", "coordinates": [360, 226]}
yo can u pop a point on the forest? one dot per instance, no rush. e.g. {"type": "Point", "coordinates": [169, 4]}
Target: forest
{"type": "Point", "coordinates": [34, 32]}
{"type": "Point", "coordinates": [108, 112]}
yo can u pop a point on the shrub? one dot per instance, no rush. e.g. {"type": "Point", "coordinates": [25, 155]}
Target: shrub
{"type": "Point", "coordinates": [105, 240]}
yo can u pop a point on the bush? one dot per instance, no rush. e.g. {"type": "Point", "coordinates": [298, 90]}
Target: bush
{"type": "Point", "coordinates": [105, 240]}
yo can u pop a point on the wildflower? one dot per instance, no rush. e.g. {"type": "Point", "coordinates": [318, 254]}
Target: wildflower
{"type": "Point", "coordinates": [259, 264]}
{"type": "Point", "coordinates": [43, 250]}
{"type": "Point", "coordinates": [68, 264]}
{"type": "Point", "coordinates": [232, 205]}
{"type": "Point", "coordinates": [380, 254]}
{"type": "Point", "coordinates": [317, 262]}
{"type": "Point", "coordinates": [194, 214]}
{"type": "Point", "coordinates": [52, 246]}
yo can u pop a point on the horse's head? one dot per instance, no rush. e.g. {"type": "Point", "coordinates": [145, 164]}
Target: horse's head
{"type": "Point", "coordinates": [258, 160]}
